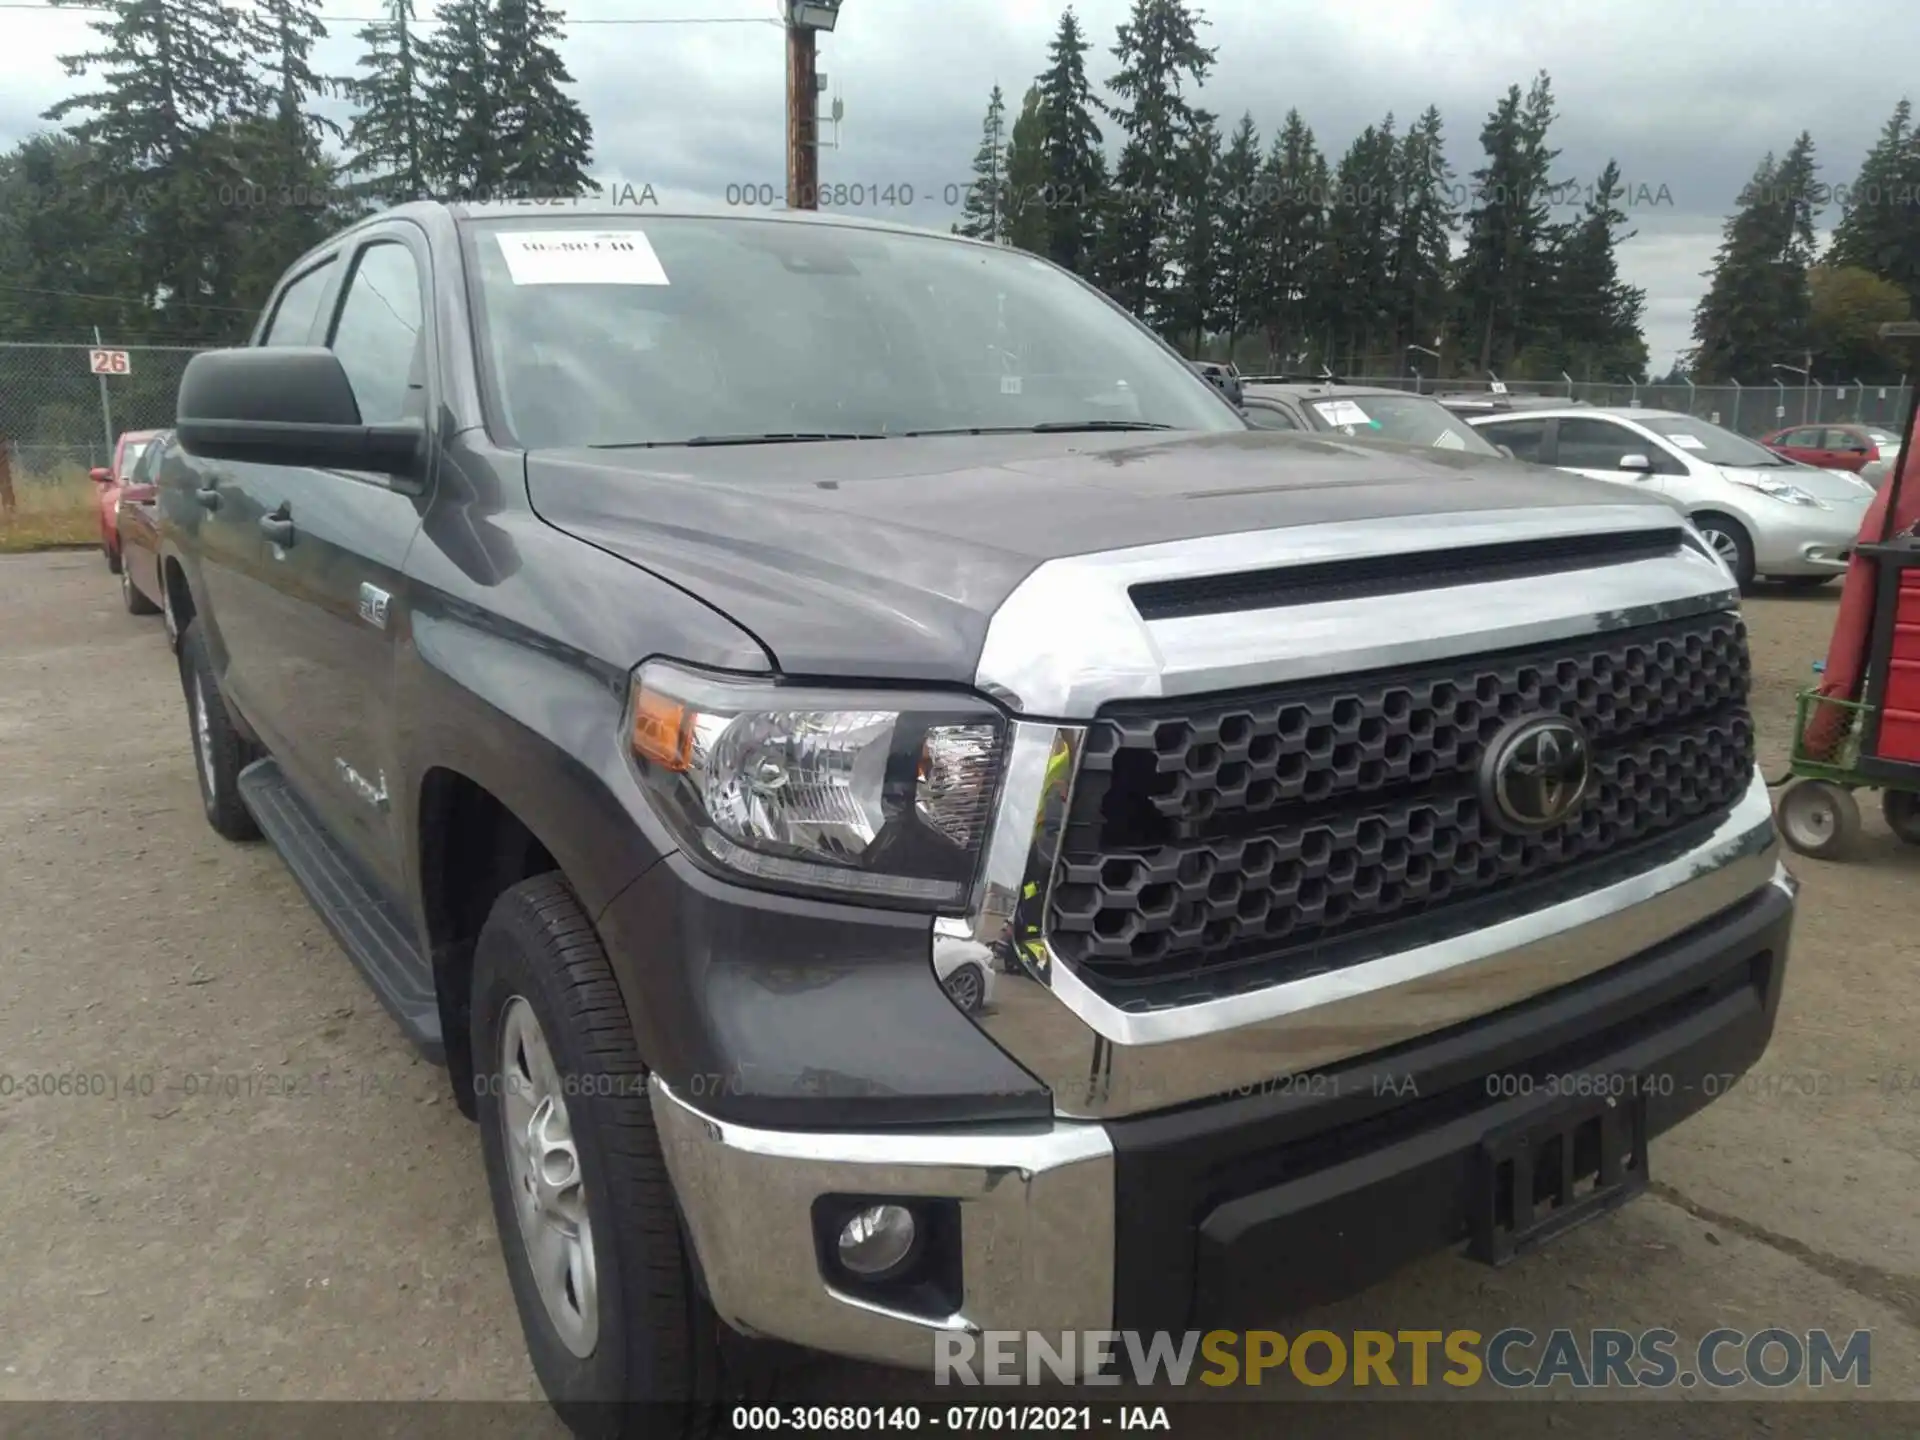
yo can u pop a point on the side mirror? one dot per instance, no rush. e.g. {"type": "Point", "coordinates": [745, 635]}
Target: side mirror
{"type": "Point", "coordinates": [1639, 464]}
{"type": "Point", "coordinates": [1222, 379]}
{"type": "Point", "coordinates": [286, 406]}
{"type": "Point", "coordinates": [100, 474]}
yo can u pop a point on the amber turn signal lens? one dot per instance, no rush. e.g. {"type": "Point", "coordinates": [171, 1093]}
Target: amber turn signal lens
{"type": "Point", "coordinates": [662, 731]}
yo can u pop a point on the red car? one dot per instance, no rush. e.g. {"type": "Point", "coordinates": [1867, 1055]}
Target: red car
{"type": "Point", "coordinates": [137, 531]}
{"type": "Point", "coordinates": [1835, 447]}
{"type": "Point", "coordinates": [108, 484]}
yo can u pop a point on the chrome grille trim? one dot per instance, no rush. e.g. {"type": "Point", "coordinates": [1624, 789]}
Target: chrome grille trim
{"type": "Point", "coordinates": [1069, 640]}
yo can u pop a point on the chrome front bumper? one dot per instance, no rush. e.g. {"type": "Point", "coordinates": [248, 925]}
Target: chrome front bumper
{"type": "Point", "coordinates": [1036, 1223]}
{"type": "Point", "coordinates": [1038, 1216]}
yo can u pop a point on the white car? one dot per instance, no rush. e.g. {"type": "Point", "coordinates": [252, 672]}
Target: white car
{"type": "Point", "coordinates": [1765, 515]}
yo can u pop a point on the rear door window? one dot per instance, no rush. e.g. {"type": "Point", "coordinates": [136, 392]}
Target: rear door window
{"type": "Point", "coordinates": [1526, 438]}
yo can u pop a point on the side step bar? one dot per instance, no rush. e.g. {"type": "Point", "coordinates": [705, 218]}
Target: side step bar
{"type": "Point", "coordinates": [375, 935]}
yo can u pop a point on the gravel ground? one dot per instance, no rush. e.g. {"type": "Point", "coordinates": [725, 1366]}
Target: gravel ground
{"type": "Point", "coordinates": [276, 1200]}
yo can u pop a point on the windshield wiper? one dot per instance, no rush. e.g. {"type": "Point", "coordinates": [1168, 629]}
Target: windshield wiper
{"type": "Point", "coordinates": [1046, 427]}
{"type": "Point", "coordinates": [774, 438]}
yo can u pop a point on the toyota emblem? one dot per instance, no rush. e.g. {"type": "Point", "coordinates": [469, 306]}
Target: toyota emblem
{"type": "Point", "coordinates": [1535, 773]}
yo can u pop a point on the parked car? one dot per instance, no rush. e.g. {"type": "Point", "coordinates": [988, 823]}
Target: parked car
{"type": "Point", "coordinates": [1868, 450]}
{"type": "Point", "coordinates": [1224, 377]}
{"type": "Point", "coordinates": [107, 480]}
{"type": "Point", "coordinates": [665, 648]}
{"type": "Point", "coordinates": [137, 532]}
{"type": "Point", "coordinates": [1483, 403]}
{"type": "Point", "coordinates": [1764, 514]}
{"type": "Point", "coordinates": [1359, 412]}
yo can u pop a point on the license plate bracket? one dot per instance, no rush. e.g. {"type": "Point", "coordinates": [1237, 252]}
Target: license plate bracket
{"type": "Point", "coordinates": [1557, 1168]}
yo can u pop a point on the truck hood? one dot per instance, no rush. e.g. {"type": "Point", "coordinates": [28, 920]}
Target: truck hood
{"type": "Point", "coordinates": [888, 558]}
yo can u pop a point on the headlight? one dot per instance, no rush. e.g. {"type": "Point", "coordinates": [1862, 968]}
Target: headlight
{"type": "Point", "coordinates": [1779, 490]}
{"type": "Point", "coordinates": [880, 796]}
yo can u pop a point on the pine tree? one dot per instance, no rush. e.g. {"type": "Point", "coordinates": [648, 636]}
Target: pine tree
{"type": "Point", "coordinates": [1076, 170]}
{"type": "Point", "coordinates": [60, 247]}
{"type": "Point", "coordinates": [1240, 243]}
{"type": "Point", "coordinates": [1595, 330]}
{"type": "Point", "coordinates": [388, 139]}
{"type": "Point", "coordinates": [1419, 274]}
{"type": "Point", "coordinates": [1292, 223]}
{"type": "Point", "coordinates": [461, 104]}
{"type": "Point", "coordinates": [1361, 241]}
{"type": "Point", "coordinates": [1506, 273]}
{"type": "Point", "coordinates": [984, 215]}
{"type": "Point", "coordinates": [544, 139]}
{"type": "Point", "coordinates": [280, 156]}
{"type": "Point", "coordinates": [1156, 48]}
{"type": "Point", "coordinates": [175, 76]}
{"type": "Point", "coordinates": [1879, 229]}
{"type": "Point", "coordinates": [1194, 296]}
{"type": "Point", "coordinates": [1026, 189]}
{"type": "Point", "coordinates": [1756, 310]}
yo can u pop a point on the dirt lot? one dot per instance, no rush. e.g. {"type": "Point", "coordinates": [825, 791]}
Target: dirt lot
{"type": "Point", "coordinates": [204, 1233]}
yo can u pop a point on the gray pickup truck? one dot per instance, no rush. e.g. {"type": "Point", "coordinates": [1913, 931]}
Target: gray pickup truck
{"type": "Point", "coordinates": [903, 815]}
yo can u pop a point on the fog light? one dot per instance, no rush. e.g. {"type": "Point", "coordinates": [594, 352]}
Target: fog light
{"type": "Point", "coordinates": [877, 1240]}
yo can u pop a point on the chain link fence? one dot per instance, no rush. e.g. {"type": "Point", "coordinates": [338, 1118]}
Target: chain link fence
{"type": "Point", "coordinates": [1752, 410]}
{"type": "Point", "coordinates": [58, 418]}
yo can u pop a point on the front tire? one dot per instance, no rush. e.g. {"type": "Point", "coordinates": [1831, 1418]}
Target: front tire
{"type": "Point", "coordinates": [602, 1275]}
{"type": "Point", "coordinates": [967, 987]}
{"type": "Point", "coordinates": [1731, 543]}
{"type": "Point", "coordinates": [219, 752]}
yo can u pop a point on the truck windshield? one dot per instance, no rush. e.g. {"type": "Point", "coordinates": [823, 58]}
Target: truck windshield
{"type": "Point", "coordinates": [1409, 419]}
{"type": "Point", "coordinates": [671, 329]}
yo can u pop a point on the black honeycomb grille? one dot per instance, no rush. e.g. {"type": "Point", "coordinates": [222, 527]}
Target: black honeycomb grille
{"type": "Point", "coordinates": [1243, 840]}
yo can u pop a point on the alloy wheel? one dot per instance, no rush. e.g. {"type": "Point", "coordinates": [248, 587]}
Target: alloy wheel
{"type": "Point", "coordinates": [549, 1191]}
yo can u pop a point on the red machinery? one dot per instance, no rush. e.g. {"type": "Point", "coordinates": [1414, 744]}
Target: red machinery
{"type": "Point", "coordinates": [1861, 727]}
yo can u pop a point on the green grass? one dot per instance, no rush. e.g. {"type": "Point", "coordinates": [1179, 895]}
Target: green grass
{"type": "Point", "coordinates": [52, 511]}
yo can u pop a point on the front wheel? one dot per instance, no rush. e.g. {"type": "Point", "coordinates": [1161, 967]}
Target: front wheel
{"type": "Point", "coordinates": [1819, 818]}
{"type": "Point", "coordinates": [602, 1274]}
{"type": "Point", "coordinates": [967, 987]}
{"type": "Point", "coordinates": [1902, 811]}
{"type": "Point", "coordinates": [1729, 540]}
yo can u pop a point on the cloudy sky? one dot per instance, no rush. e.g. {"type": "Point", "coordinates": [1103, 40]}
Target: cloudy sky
{"type": "Point", "coordinates": [1686, 94]}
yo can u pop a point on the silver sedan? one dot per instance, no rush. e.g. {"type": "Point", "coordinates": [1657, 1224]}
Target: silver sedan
{"type": "Point", "coordinates": [1764, 514]}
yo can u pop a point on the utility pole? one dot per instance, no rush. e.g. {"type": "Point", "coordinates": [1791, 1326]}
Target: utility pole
{"type": "Point", "coordinates": [805, 19]}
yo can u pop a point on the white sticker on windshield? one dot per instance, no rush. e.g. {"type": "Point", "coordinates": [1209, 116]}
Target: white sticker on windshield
{"type": "Point", "coordinates": [1341, 412]}
{"type": "Point", "coordinates": [580, 257]}
{"type": "Point", "coordinates": [1688, 442]}
{"type": "Point", "coordinates": [1447, 440]}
